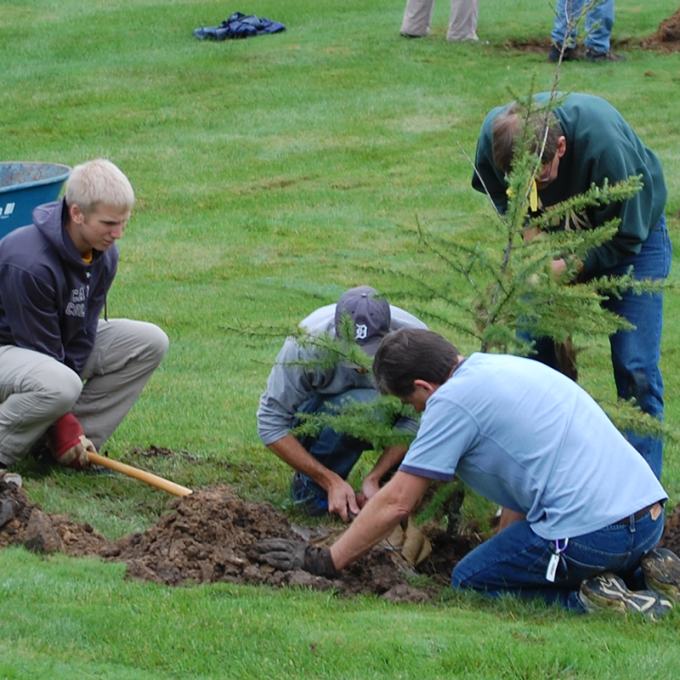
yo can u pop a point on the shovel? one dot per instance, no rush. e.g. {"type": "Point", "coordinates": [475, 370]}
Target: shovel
{"type": "Point", "coordinates": [142, 475]}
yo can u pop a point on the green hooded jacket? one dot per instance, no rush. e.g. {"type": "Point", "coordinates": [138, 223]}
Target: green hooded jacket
{"type": "Point", "coordinates": [600, 145]}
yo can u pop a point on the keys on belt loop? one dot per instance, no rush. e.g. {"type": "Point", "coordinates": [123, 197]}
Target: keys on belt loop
{"type": "Point", "coordinates": [557, 559]}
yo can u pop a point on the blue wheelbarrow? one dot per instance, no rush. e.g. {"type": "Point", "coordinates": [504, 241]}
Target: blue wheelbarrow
{"type": "Point", "coordinates": [23, 187]}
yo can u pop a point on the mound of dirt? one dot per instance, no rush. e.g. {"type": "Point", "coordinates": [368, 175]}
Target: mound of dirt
{"type": "Point", "coordinates": [667, 36]}
{"type": "Point", "coordinates": [22, 522]}
{"type": "Point", "coordinates": [212, 536]}
{"type": "Point", "coordinates": [665, 39]}
{"type": "Point", "coordinates": [671, 534]}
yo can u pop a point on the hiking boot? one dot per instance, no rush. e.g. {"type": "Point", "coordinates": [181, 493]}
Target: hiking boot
{"type": "Point", "coordinates": [600, 57]}
{"type": "Point", "coordinates": [661, 569]}
{"type": "Point", "coordinates": [554, 54]}
{"type": "Point", "coordinates": [309, 495]}
{"type": "Point", "coordinates": [607, 592]}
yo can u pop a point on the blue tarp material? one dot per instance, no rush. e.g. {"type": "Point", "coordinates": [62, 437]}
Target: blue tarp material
{"type": "Point", "coordinates": [239, 25]}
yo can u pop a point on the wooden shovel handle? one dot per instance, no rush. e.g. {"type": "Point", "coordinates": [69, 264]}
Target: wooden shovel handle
{"type": "Point", "coordinates": [147, 477]}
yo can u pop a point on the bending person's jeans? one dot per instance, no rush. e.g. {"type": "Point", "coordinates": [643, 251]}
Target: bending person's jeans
{"type": "Point", "coordinates": [636, 352]}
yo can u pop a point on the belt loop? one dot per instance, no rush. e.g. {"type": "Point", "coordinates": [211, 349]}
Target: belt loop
{"type": "Point", "coordinates": [632, 524]}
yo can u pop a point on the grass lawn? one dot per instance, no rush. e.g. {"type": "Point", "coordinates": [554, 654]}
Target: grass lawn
{"type": "Point", "coordinates": [272, 174]}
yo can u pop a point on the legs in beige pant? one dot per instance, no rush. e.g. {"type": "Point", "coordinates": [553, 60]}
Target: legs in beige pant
{"type": "Point", "coordinates": [417, 18]}
{"type": "Point", "coordinates": [36, 390]}
{"type": "Point", "coordinates": [462, 19]}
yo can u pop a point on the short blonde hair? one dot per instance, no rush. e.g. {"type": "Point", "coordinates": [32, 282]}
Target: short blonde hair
{"type": "Point", "coordinates": [99, 181]}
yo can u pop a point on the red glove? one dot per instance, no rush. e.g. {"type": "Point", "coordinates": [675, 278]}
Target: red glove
{"type": "Point", "coordinates": [69, 443]}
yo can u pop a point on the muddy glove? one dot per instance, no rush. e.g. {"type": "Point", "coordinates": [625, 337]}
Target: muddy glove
{"type": "Point", "coordinates": [417, 546]}
{"type": "Point", "coordinates": [287, 555]}
{"type": "Point", "coordinates": [409, 541]}
{"type": "Point", "coordinates": [68, 443]}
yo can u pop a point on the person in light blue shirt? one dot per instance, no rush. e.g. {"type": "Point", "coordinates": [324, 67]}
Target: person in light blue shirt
{"type": "Point", "coordinates": [588, 510]}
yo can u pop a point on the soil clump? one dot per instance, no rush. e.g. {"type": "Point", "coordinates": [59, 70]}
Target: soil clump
{"type": "Point", "coordinates": [665, 39]}
{"type": "Point", "coordinates": [671, 533]}
{"type": "Point", "coordinates": [212, 536]}
{"type": "Point", "coordinates": [667, 36]}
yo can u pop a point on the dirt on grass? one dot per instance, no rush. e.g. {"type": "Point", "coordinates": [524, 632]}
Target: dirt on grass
{"type": "Point", "coordinates": [667, 36]}
{"type": "Point", "coordinates": [671, 534]}
{"type": "Point", "coordinates": [665, 39]}
{"type": "Point", "coordinates": [212, 536]}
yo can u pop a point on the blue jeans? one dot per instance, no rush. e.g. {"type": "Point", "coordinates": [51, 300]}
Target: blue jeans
{"type": "Point", "coordinates": [599, 24]}
{"type": "Point", "coordinates": [515, 561]}
{"type": "Point", "coordinates": [636, 352]}
{"type": "Point", "coordinates": [336, 451]}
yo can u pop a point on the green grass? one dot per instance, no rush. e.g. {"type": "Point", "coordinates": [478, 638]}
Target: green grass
{"type": "Point", "coordinates": [67, 618]}
{"type": "Point", "coordinates": [271, 174]}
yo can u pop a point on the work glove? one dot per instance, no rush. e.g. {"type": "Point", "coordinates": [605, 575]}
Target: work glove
{"type": "Point", "coordinates": [288, 555]}
{"type": "Point", "coordinates": [410, 541]}
{"type": "Point", "coordinates": [68, 443]}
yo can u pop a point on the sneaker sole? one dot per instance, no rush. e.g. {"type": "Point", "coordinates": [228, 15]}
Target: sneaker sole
{"type": "Point", "coordinates": [614, 596]}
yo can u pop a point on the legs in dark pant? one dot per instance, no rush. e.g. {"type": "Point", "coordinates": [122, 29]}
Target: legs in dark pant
{"type": "Point", "coordinates": [516, 560]}
{"type": "Point", "coordinates": [635, 353]}
{"type": "Point", "coordinates": [335, 450]}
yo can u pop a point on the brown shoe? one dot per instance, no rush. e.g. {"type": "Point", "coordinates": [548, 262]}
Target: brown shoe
{"type": "Point", "coordinates": [661, 569]}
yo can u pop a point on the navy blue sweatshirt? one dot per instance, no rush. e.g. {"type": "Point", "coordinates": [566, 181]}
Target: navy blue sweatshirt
{"type": "Point", "coordinates": [50, 300]}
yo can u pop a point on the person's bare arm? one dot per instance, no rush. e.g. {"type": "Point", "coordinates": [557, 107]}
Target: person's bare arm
{"type": "Point", "coordinates": [390, 458]}
{"type": "Point", "coordinates": [382, 513]}
{"type": "Point", "coordinates": [342, 500]}
{"type": "Point", "coordinates": [509, 517]}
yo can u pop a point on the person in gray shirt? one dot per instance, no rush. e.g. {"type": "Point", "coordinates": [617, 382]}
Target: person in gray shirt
{"type": "Point", "coordinates": [298, 384]}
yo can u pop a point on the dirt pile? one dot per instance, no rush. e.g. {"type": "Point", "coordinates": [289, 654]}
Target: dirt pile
{"type": "Point", "coordinates": [212, 536]}
{"type": "Point", "coordinates": [22, 522]}
{"type": "Point", "coordinates": [209, 536]}
{"type": "Point", "coordinates": [665, 39]}
{"type": "Point", "coordinates": [671, 534]}
{"type": "Point", "coordinates": [667, 36]}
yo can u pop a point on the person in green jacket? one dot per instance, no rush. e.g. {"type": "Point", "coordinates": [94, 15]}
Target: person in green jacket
{"type": "Point", "coordinates": [588, 142]}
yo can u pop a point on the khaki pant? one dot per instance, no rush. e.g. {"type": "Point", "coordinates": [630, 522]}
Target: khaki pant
{"type": "Point", "coordinates": [462, 19]}
{"type": "Point", "coordinates": [36, 390]}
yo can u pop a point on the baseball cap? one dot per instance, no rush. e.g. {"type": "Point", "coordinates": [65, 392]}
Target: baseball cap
{"type": "Point", "coordinates": [370, 314]}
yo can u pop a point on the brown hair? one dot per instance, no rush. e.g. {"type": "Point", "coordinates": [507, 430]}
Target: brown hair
{"type": "Point", "coordinates": [412, 354]}
{"type": "Point", "coordinates": [509, 128]}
